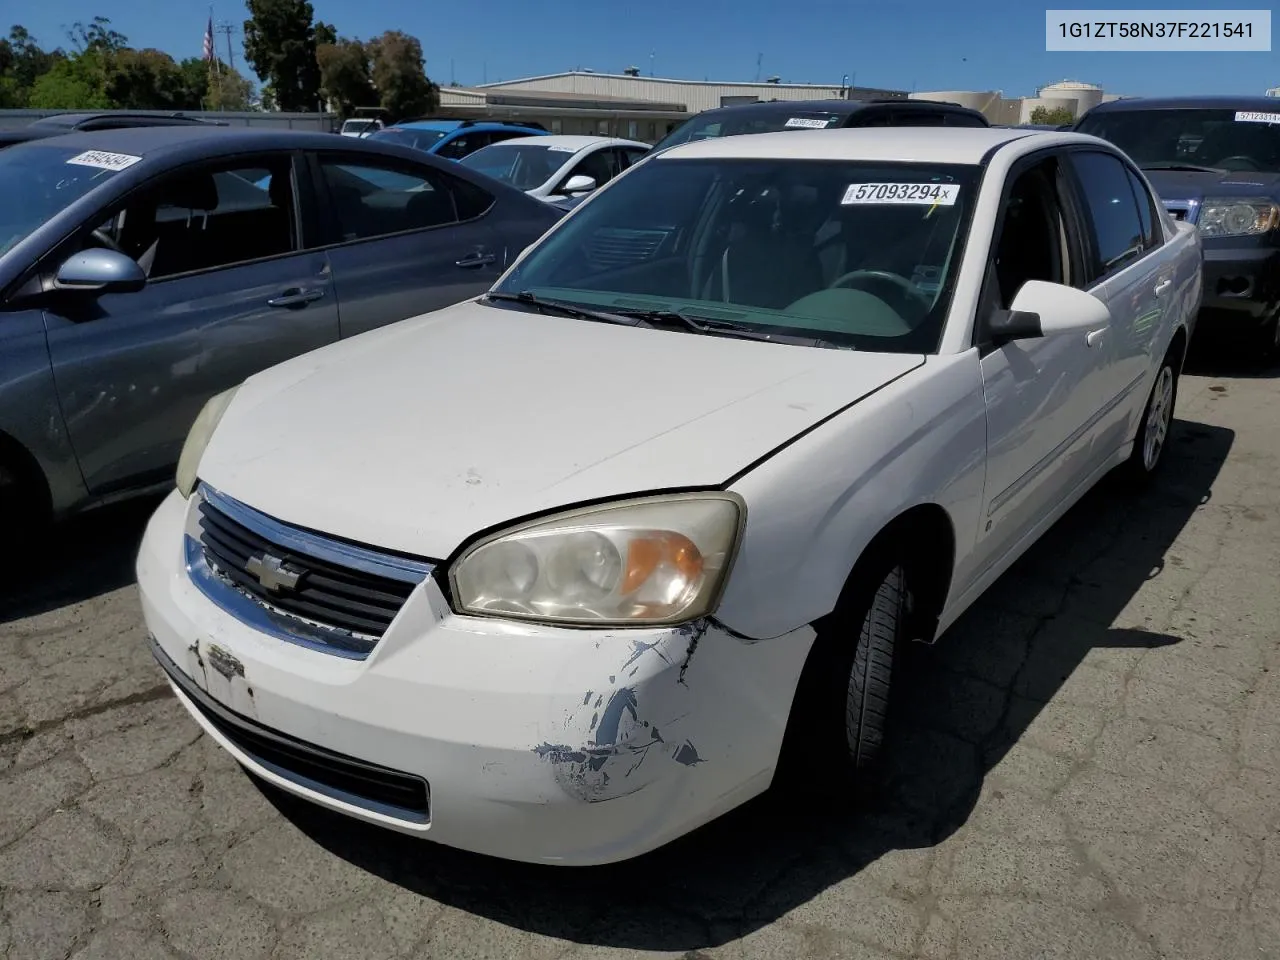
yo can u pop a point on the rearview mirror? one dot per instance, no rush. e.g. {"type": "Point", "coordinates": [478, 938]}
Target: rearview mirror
{"type": "Point", "coordinates": [1042, 309]}
{"type": "Point", "coordinates": [100, 271]}
{"type": "Point", "coordinates": [580, 184]}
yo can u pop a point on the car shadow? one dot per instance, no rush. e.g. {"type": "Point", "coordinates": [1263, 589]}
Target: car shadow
{"type": "Point", "coordinates": [83, 558]}
{"type": "Point", "coordinates": [964, 705]}
{"type": "Point", "coordinates": [1223, 357]}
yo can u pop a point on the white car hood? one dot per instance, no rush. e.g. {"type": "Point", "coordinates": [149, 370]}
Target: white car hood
{"type": "Point", "coordinates": [415, 436]}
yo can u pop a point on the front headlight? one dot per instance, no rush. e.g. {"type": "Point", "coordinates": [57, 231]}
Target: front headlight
{"type": "Point", "coordinates": [1237, 217]}
{"type": "Point", "coordinates": [659, 560]}
{"type": "Point", "coordinates": [198, 439]}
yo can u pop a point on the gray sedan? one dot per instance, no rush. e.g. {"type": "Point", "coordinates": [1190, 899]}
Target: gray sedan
{"type": "Point", "coordinates": [144, 270]}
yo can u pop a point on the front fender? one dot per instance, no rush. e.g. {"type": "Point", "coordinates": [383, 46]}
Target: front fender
{"type": "Point", "coordinates": [814, 506]}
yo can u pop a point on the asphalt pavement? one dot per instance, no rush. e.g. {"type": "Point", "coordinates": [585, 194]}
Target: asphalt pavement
{"type": "Point", "coordinates": [1089, 767]}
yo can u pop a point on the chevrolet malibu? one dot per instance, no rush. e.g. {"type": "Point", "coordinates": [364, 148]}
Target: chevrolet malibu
{"type": "Point", "coordinates": [560, 573]}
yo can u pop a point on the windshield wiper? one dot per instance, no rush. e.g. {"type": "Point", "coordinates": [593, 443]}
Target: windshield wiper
{"type": "Point", "coordinates": [1190, 167]}
{"type": "Point", "coordinates": [721, 328]}
{"type": "Point", "coordinates": [559, 306]}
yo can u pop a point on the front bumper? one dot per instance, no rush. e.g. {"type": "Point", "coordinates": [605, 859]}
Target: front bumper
{"type": "Point", "coordinates": [1241, 286]}
{"type": "Point", "coordinates": [491, 736]}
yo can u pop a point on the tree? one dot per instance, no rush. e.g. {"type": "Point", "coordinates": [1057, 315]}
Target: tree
{"type": "Point", "coordinates": [280, 45]}
{"type": "Point", "coordinates": [398, 74]}
{"type": "Point", "coordinates": [229, 90]}
{"type": "Point", "coordinates": [325, 33]}
{"type": "Point", "coordinates": [22, 62]}
{"type": "Point", "coordinates": [72, 84]}
{"type": "Point", "coordinates": [346, 79]}
{"type": "Point", "coordinates": [1054, 117]}
{"type": "Point", "coordinates": [148, 80]}
{"type": "Point", "coordinates": [97, 37]}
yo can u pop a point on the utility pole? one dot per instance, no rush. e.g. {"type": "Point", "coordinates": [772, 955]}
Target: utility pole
{"type": "Point", "coordinates": [227, 29]}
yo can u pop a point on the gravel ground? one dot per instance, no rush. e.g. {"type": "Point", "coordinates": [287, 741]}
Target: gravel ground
{"type": "Point", "coordinates": [1091, 769]}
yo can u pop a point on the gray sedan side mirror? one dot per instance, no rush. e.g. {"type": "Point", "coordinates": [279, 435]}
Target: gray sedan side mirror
{"type": "Point", "coordinates": [100, 271]}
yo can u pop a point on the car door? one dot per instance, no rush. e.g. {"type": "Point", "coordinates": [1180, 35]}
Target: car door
{"type": "Point", "coordinates": [1125, 253]}
{"type": "Point", "coordinates": [1044, 396]}
{"type": "Point", "coordinates": [230, 291]}
{"type": "Point", "coordinates": [403, 238]}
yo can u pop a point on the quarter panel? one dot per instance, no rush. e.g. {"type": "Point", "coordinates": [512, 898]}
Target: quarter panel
{"type": "Point", "coordinates": [815, 506]}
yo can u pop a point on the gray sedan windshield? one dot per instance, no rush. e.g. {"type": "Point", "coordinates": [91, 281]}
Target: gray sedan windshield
{"type": "Point", "coordinates": [39, 182]}
{"type": "Point", "coordinates": [854, 254]}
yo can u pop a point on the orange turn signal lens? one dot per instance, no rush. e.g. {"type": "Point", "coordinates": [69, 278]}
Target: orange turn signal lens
{"type": "Point", "coordinates": [649, 555]}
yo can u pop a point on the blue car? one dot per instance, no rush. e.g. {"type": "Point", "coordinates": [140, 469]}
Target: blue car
{"type": "Point", "coordinates": [454, 139]}
{"type": "Point", "coordinates": [144, 270]}
{"type": "Point", "coordinates": [1215, 161]}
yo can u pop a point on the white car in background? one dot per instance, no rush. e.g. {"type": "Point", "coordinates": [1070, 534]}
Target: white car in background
{"type": "Point", "coordinates": [666, 504]}
{"type": "Point", "coordinates": [556, 167]}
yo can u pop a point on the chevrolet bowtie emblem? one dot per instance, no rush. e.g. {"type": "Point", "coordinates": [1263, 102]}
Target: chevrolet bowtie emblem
{"type": "Point", "coordinates": [272, 573]}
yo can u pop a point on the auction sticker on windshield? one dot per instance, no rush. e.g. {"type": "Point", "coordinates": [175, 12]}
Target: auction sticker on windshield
{"type": "Point", "coordinates": [1249, 116]}
{"type": "Point", "coordinates": [807, 123]}
{"type": "Point", "coordinates": [924, 194]}
{"type": "Point", "coordinates": [104, 161]}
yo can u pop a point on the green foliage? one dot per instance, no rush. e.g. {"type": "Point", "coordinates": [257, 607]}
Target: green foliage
{"type": "Point", "coordinates": [1055, 117]}
{"type": "Point", "coordinates": [398, 74]}
{"type": "Point", "coordinates": [346, 78]}
{"type": "Point", "coordinates": [72, 84]}
{"type": "Point", "coordinates": [280, 45]}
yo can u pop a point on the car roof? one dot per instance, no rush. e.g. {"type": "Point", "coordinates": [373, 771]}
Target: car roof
{"type": "Point", "coordinates": [843, 108]}
{"type": "Point", "coordinates": [572, 141]}
{"type": "Point", "coordinates": [195, 142]}
{"type": "Point", "coordinates": [1252, 103]}
{"type": "Point", "coordinates": [964, 145]}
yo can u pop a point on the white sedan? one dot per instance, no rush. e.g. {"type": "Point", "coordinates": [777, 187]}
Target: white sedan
{"type": "Point", "coordinates": [559, 574]}
{"type": "Point", "coordinates": [556, 167]}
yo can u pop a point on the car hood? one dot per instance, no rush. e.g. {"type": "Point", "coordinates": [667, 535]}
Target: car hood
{"type": "Point", "coordinates": [415, 436]}
{"type": "Point", "coordinates": [1186, 185]}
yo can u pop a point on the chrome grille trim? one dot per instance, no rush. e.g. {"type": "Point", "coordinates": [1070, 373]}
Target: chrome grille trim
{"type": "Point", "coordinates": [348, 595]}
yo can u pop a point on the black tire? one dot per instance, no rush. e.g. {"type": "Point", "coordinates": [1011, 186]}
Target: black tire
{"type": "Point", "coordinates": [840, 714]}
{"type": "Point", "coordinates": [1157, 422]}
{"type": "Point", "coordinates": [23, 515]}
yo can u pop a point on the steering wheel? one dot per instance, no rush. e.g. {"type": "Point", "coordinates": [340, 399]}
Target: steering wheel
{"type": "Point", "coordinates": [108, 241]}
{"type": "Point", "coordinates": [903, 288]}
{"type": "Point", "coordinates": [1250, 165]}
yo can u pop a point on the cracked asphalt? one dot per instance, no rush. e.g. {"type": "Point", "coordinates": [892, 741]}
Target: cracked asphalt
{"type": "Point", "coordinates": [1088, 766]}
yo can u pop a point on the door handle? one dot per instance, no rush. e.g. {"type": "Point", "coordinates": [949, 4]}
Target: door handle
{"type": "Point", "coordinates": [1162, 286]}
{"type": "Point", "coordinates": [1094, 337]}
{"type": "Point", "coordinates": [477, 259]}
{"type": "Point", "coordinates": [295, 298]}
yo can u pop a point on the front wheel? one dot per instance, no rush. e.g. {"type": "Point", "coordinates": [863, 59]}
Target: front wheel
{"type": "Point", "coordinates": [1157, 422]}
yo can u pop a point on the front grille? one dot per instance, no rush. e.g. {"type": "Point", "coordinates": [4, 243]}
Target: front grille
{"type": "Point", "coordinates": [344, 778]}
{"type": "Point", "coordinates": [345, 596]}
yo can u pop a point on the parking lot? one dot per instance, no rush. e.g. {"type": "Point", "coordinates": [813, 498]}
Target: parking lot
{"type": "Point", "coordinates": [1089, 766]}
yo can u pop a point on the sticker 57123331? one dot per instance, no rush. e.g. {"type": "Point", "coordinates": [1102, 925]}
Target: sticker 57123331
{"type": "Point", "coordinates": [1250, 116]}
{"type": "Point", "coordinates": [921, 194]}
{"type": "Point", "coordinates": [807, 123]}
{"type": "Point", "coordinates": [103, 160]}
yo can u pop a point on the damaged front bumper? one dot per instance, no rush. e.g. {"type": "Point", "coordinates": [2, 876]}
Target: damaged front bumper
{"type": "Point", "coordinates": [497, 737]}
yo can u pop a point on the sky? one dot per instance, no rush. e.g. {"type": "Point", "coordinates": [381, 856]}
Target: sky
{"type": "Point", "coordinates": [927, 45]}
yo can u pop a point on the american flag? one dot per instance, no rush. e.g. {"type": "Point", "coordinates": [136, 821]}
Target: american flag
{"type": "Point", "coordinates": [208, 40]}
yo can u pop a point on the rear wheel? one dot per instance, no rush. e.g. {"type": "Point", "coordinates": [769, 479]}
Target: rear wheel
{"type": "Point", "coordinates": [1157, 421]}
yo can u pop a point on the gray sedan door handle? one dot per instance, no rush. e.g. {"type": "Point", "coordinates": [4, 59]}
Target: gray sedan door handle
{"type": "Point", "coordinates": [476, 259]}
{"type": "Point", "coordinates": [295, 298]}
{"type": "Point", "coordinates": [1095, 336]}
{"type": "Point", "coordinates": [1162, 286]}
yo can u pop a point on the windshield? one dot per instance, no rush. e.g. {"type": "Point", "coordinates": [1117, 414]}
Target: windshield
{"type": "Point", "coordinates": [419, 139]}
{"type": "Point", "coordinates": [523, 165]}
{"type": "Point", "coordinates": [39, 182]}
{"type": "Point", "coordinates": [852, 253]}
{"type": "Point", "coordinates": [716, 124]}
{"type": "Point", "coordinates": [1228, 140]}
{"type": "Point", "coordinates": [359, 126]}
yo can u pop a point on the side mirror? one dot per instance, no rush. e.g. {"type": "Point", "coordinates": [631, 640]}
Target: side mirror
{"type": "Point", "coordinates": [580, 184]}
{"type": "Point", "coordinates": [1042, 309]}
{"type": "Point", "coordinates": [100, 271]}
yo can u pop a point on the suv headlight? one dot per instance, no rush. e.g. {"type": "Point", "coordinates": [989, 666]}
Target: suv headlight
{"type": "Point", "coordinates": [653, 561]}
{"type": "Point", "coordinates": [1237, 216]}
{"type": "Point", "coordinates": [198, 439]}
